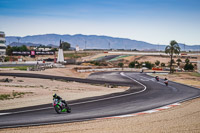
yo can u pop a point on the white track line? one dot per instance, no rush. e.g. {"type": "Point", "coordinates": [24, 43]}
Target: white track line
{"type": "Point", "coordinates": [122, 74]}
{"type": "Point", "coordinates": [4, 113]}
{"type": "Point", "coordinates": [134, 80]}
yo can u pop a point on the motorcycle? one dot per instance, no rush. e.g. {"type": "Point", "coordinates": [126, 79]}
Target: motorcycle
{"type": "Point", "coordinates": [157, 78]}
{"type": "Point", "coordinates": [60, 107]}
{"type": "Point", "coordinates": [166, 82]}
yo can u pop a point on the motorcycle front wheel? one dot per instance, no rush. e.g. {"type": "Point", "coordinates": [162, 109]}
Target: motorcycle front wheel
{"type": "Point", "coordinates": [58, 109]}
{"type": "Point", "coordinates": [68, 109]}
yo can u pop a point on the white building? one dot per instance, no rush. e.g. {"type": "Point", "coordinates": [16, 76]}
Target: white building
{"type": "Point", "coordinates": [77, 48]}
{"type": "Point", "coordinates": [44, 49]}
{"type": "Point", "coordinates": [2, 44]}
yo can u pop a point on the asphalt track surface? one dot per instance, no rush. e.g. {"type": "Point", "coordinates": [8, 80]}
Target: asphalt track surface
{"type": "Point", "coordinates": [144, 94]}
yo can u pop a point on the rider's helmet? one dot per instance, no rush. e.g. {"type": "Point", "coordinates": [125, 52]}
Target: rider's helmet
{"type": "Point", "coordinates": [165, 78]}
{"type": "Point", "coordinates": [55, 95]}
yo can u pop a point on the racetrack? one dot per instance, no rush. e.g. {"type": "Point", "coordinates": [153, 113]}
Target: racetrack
{"type": "Point", "coordinates": [145, 94]}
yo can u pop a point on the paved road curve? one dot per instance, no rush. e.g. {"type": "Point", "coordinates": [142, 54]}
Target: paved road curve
{"type": "Point", "coordinates": [144, 94]}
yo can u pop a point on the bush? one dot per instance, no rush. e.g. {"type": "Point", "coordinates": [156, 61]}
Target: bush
{"type": "Point", "coordinates": [148, 64]}
{"type": "Point", "coordinates": [132, 64]}
{"type": "Point", "coordinates": [120, 64]}
{"type": "Point", "coordinates": [189, 66]}
{"type": "Point", "coordinates": [162, 64]}
{"type": "Point", "coordinates": [157, 63]}
{"type": "Point", "coordinates": [7, 59]}
{"type": "Point", "coordinates": [4, 96]}
{"type": "Point", "coordinates": [97, 63]}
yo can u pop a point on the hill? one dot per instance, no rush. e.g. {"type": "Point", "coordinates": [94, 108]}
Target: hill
{"type": "Point", "coordinates": [92, 42]}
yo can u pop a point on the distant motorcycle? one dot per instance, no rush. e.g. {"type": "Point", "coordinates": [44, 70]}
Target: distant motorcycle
{"type": "Point", "coordinates": [157, 78]}
{"type": "Point", "coordinates": [166, 82]}
{"type": "Point", "coordinates": [60, 107]}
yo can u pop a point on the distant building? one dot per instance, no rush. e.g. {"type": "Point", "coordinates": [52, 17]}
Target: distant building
{"type": "Point", "coordinates": [77, 48]}
{"type": "Point", "coordinates": [32, 47]}
{"type": "Point", "coordinates": [40, 48]}
{"type": "Point", "coordinates": [44, 49]}
{"type": "Point", "coordinates": [2, 44]}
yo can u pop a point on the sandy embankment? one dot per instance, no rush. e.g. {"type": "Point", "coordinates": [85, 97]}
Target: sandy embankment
{"type": "Point", "coordinates": [68, 72]}
{"type": "Point", "coordinates": [40, 91]}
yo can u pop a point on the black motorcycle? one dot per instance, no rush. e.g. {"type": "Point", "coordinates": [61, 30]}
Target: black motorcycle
{"type": "Point", "coordinates": [157, 78]}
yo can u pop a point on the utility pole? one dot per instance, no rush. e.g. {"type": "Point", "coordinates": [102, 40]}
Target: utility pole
{"type": "Point", "coordinates": [18, 38]}
{"type": "Point", "coordinates": [124, 47]}
{"type": "Point", "coordinates": [158, 47]}
{"type": "Point", "coordinates": [85, 44]}
{"type": "Point", "coordinates": [184, 47]}
{"type": "Point", "coordinates": [108, 45]}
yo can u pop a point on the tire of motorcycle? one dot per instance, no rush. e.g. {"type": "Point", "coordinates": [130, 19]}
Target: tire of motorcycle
{"type": "Point", "coordinates": [58, 109]}
{"type": "Point", "coordinates": [68, 109]}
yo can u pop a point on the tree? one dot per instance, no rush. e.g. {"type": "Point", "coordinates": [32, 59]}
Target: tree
{"type": "Point", "coordinates": [187, 61]}
{"type": "Point", "coordinates": [148, 64]}
{"type": "Point", "coordinates": [188, 65]}
{"type": "Point", "coordinates": [9, 50]}
{"type": "Point", "coordinates": [121, 64]}
{"type": "Point", "coordinates": [65, 46]}
{"type": "Point", "coordinates": [54, 50]}
{"type": "Point", "coordinates": [23, 48]}
{"type": "Point", "coordinates": [157, 63]}
{"type": "Point", "coordinates": [178, 62]}
{"type": "Point", "coordinates": [172, 49]}
{"type": "Point", "coordinates": [132, 64]}
{"type": "Point", "coordinates": [137, 64]}
{"type": "Point", "coordinates": [162, 64]}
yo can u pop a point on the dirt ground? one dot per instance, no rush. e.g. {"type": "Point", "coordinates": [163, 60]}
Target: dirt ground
{"type": "Point", "coordinates": [181, 119]}
{"type": "Point", "coordinates": [68, 71]}
{"type": "Point", "coordinates": [40, 91]}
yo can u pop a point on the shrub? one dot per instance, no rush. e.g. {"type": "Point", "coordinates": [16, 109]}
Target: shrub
{"type": "Point", "coordinates": [132, 64]}
{"type": "Point", "coordinates": [189, 66]}
{"type": "Point", "coordinates": [148, 64]}
{"type": "Point", "coordinates": [4, 96]}
{"type": "Point", "coordinates": [120, 64]}
{"type": "Point", "coordinates": [162, 64]}
{"type": "Point", "coordinates": [157, 63]}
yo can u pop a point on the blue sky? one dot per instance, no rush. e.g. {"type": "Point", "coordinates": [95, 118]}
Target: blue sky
{"type": "Point", "coordinates": [154, 21]}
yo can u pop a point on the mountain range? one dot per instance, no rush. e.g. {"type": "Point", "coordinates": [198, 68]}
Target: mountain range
{"type": "Point", "coordinates": [90, 42]}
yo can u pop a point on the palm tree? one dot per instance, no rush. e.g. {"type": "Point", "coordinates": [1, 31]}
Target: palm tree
{"type": "Point", "coordinates": [172, 49]}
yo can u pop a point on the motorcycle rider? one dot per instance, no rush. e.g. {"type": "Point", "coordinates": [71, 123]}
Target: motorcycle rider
{"type": "Point", "coordinates": [55, 96]}
{"type": "Point", "coordinates": [157, 78]}
{"type": "Point", "coordinates": [166, 81]}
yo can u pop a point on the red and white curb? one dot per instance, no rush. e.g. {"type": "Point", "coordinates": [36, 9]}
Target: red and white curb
{"type": "Point", "coordinates": [142, 113]}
